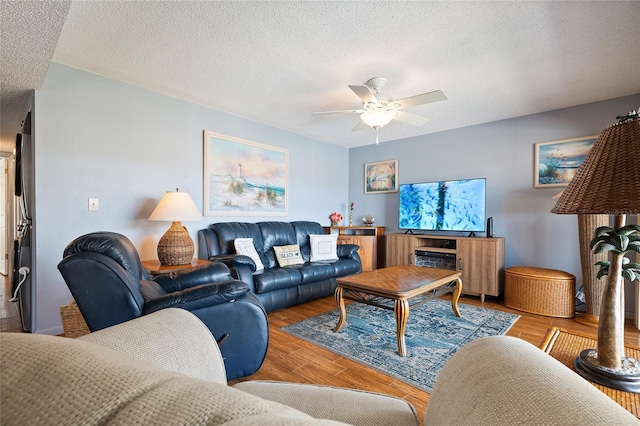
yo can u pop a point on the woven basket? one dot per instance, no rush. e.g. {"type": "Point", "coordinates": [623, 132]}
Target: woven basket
{"type": "Point", "coordinates": [72, 321]}
{"type": "Point", "coordinates": [540, 291]}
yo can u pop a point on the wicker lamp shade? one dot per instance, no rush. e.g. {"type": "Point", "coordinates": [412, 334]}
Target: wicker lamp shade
{"type": "Point", "coordinates": [609, 179]}
{"type": "Point", "coordinates": [176, 246]}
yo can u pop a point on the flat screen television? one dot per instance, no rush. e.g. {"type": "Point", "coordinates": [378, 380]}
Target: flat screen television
{"type": "Point", "coordinates": [451, 205]}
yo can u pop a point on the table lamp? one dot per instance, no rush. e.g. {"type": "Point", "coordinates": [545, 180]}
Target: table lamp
{"type": "Point", "coordinates": [176, 246]}
{"type": "Point", "coordinates": [608, 182]}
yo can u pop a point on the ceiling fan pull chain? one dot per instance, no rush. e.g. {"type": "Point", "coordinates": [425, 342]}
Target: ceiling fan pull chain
{"type": "Point", "coordinates": [377, 141]}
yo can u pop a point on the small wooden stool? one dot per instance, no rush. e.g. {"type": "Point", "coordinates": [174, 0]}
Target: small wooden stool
{"type": "Point", "coordinates": [541, 291]}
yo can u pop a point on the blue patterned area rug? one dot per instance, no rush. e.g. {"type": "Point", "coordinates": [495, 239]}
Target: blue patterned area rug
{"type": "Point", "coordinates": [433, 335]}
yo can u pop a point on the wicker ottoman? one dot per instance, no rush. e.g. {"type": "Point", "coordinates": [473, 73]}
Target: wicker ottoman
{"type": "Point", "coordinates": [540, 291]}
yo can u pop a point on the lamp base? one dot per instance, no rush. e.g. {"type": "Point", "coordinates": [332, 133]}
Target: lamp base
{"type": "Point", "coordinates": [176, 246]}
{"type": "Point", "coordinates": [626, 379]}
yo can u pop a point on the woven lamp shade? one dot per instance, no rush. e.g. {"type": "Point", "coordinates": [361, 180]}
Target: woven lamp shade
{"type": "Point", "coordinates": [176, 246]}
{"type": "Point", "coordinates": [608, 182]}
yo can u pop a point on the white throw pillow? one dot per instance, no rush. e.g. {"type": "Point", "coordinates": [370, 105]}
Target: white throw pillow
{"type": "Point", "coordinates": [245, 246]}
{"type": "Point", "coordinates": [323, 248]}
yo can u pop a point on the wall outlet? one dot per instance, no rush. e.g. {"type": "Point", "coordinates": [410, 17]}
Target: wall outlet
{"type": "Point", "coordinates": [94, 204]}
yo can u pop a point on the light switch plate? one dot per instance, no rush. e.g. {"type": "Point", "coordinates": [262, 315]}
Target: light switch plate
{"type": "Point", "coordinates": [94, 204]}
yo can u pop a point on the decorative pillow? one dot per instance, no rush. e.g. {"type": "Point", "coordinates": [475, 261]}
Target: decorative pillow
{"type": "Point", "coordinates": [323, 247]}
{"type": "Point", "coordinates": [245, 246]}
{"type": "Point", "coordinates": [288, 255]}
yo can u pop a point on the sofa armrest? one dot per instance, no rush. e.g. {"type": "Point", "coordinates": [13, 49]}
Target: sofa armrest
{"type": "Point", "coordinates": [173, 339]}
{"type": "Point", "coordinates": [347, 251]}
{"type": "Point", "coordinates": [242, 267]}
{"type": "Point", "coordinates": [351, 406]}
{"type": "Point", "coordinates": [198, 297]}
{"type": "Point", "coordinates": [206, 274]}
{"type": "Point", "coordinates": [235, 260]}
{"type": "Point", "coordinates": [505, 380]}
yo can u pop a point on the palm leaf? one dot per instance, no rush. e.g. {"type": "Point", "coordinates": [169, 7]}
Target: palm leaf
{"type": "Point", "coordinates": [629, 274]}
{"type": "Point", "coordinates": [603, 246]}
{"type": "Point", "coordinates": [598, 239]}
{"type": "Point", "coordinates": [632, 266]}
{"type": "Point", "coordinates": [620, 241]}
{"type": "Point", "coordinates": [629, 229]}
{"type": "Point", "coordinates": [604, 270]}
{"type": "Point", "coordinates": [602, 230]}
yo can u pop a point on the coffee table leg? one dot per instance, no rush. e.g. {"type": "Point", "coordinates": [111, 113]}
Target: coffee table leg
{"type": "Point", "coordinates": [456, 296]}
{"type": "Point", "coordinates": [401, 311]}
{"type": "Point", "coordinates": [343, 312]}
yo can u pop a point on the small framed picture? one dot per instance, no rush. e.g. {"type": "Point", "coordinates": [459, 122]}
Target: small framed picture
{"type": "Point", "coordinates": [556, 162]}
{"type": "Point", "coordinates": [381, 177]}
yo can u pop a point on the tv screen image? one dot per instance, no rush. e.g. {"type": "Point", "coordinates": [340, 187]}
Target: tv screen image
{"type": "Point", "coordinates": [453, 205]}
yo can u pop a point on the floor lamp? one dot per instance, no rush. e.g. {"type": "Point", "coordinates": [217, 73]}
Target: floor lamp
{"type": "Point", "coordinates": [608, 182]}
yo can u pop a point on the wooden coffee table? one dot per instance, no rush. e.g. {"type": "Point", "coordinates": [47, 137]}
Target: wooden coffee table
{"type": "Point", "coordinates": [392, 288]}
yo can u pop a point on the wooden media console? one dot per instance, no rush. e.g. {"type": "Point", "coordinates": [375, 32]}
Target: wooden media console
{"type": "Point", "coordinates": [479, 260]}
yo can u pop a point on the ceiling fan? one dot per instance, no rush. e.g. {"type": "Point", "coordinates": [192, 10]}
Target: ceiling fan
{"type": "Point", "coordinates": [379, 109]}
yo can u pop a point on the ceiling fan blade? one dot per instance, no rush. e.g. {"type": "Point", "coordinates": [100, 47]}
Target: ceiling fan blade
{"type": "Point", "coordinates": [425, 98]}
{"type": "Point", "coordinates": [409, 118]}
{"type": "Point", "coordinates": [350, 111]}
{"type": "Point", "coordinates": [360, 126]}
{"type": "Point", "coordinates": [364, 93]}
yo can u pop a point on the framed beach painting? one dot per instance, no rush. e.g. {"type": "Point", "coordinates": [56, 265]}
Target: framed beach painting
{"type": "Point", "coordinates": [556, 162]}
{"type": "Point", "coordinates": [381, 177]}
{"type": "Point", "coordinates": [243, 177]}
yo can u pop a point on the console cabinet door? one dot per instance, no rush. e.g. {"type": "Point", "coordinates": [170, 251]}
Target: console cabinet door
{"type": "Point", "coordinates": [400, 249]}
{"type": "Point", "coordinates": [367, 250]}
{"type": "Point", "coordinates": [480, 262]}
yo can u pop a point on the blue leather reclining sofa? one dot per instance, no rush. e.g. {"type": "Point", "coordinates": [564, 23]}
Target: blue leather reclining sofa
{"type": "Point", "coordinates": [277, 287]}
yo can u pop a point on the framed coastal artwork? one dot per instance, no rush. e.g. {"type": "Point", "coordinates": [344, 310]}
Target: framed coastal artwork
{"type": "Point", "coordinates": [381, 177]}
{"type": "Point", "coordinates": [556, 162]}
{"type": "Point", "coordinates": [242, 177]}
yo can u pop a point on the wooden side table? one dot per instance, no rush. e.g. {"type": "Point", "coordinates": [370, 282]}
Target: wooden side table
{"type": "Point", "coordinates": [154, 267]}
{"type": "Point", "coordinates": [565, 346]}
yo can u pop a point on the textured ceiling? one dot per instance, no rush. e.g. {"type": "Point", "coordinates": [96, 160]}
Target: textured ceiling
{"type": "Point", "coordinates": [29, 32]}
{"type": "Point", "coordinates": [276, 62]}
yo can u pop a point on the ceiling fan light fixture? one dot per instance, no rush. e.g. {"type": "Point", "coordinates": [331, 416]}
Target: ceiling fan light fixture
{"type": "Point", "coordinates": [377, 118]}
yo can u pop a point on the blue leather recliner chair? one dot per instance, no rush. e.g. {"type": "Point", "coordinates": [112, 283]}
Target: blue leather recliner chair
{"type": "Point", "coordinates": [106, 278]}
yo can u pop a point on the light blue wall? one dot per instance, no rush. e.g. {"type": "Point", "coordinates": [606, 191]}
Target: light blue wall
{"type": "Point", "coordinates": [503, 152]}
{"type": "Point", "coordinates": [97, 137]}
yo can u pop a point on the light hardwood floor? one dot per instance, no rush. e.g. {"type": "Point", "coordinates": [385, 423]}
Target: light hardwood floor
{"type": "Point", "coordinates": [295, 360]}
